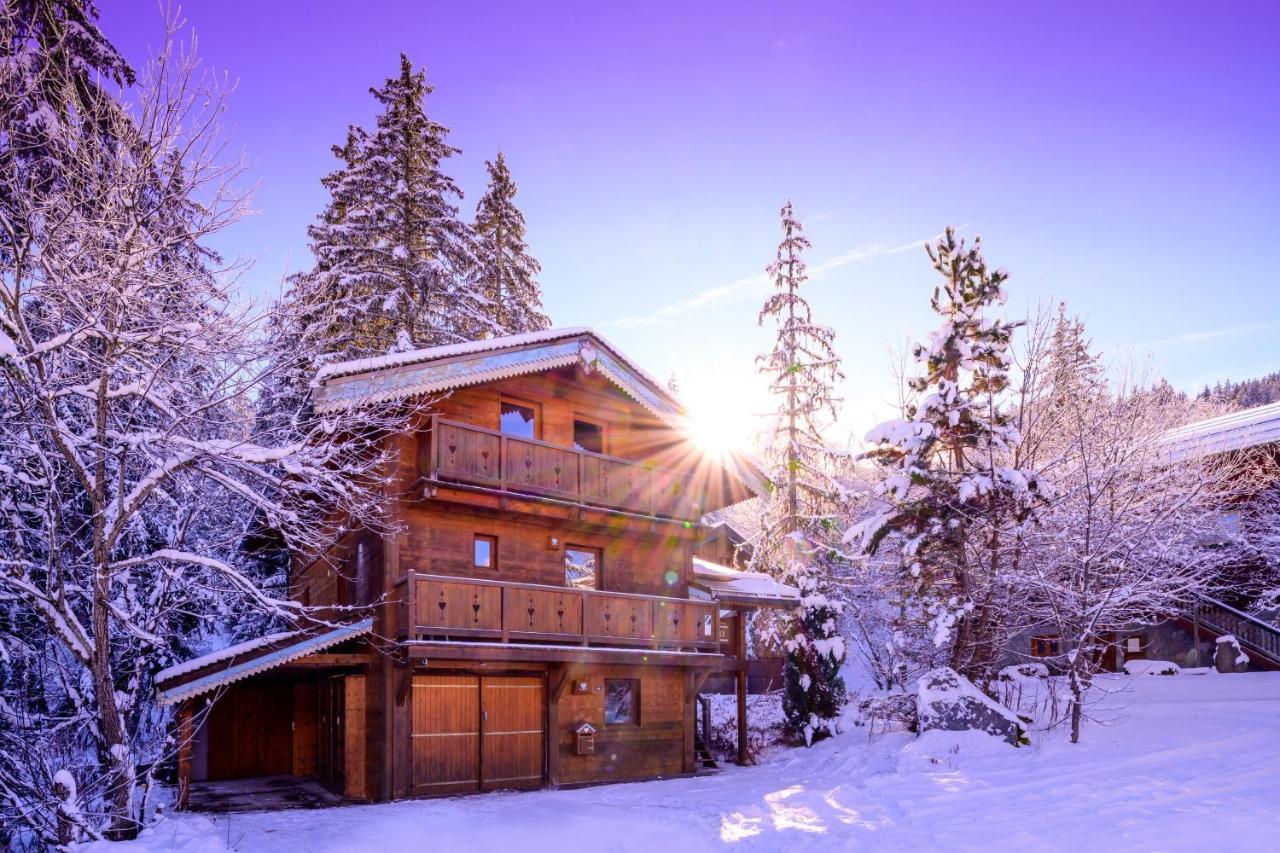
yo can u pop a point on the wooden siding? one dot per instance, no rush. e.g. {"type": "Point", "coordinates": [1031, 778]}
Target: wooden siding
{"type": "Point", "coordinates": [652, 747]}
{"type": "Point", "coordinates": [250, 732]}
{"type": "Point", "coordinates": [636, 558]}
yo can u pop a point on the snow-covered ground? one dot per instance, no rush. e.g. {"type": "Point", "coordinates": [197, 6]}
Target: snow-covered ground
{"type": "Point", "coordinates": [1188, 762]}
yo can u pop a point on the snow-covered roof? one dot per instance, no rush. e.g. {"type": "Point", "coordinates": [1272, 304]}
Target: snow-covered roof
{"type": "Point", "coordinates": [402, 376]}
{"type": "Point", "coordinates": [1236, 431]}
{"type": "Point", "coordinates": [434, 369]}
{"type": "Point", "coordinates": [250, 658]}
{"type": "Point", "coordinates": [731, 586]}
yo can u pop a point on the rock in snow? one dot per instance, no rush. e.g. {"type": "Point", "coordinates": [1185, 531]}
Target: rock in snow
{"type": "Point", "coordinates": [948, 701]}
{"type": "Point", "coordinates": [1151, 667]}
{"type": "Point", "coordinates": [1228, 656]}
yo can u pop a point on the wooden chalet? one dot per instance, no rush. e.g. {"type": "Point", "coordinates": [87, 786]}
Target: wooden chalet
{"type": "Point", "coordinates": [537, 619]}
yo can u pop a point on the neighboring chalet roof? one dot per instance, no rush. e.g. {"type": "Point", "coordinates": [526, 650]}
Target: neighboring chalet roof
{"type": "Point", "coordinates": [1237, 431]}
{"type": "Point", "coordinates": [402, 376]}
{"type": "Point", "coordinates": [751, 589]}
{"type": "Point", "coordinates": [234, 663]}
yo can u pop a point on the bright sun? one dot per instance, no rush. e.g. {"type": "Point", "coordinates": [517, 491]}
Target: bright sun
{"type": "Point", "coordinates": [718, 427]}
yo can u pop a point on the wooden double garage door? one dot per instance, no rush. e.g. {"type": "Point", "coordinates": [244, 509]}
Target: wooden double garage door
{"type": "Point", "coordinates": [477, 733]}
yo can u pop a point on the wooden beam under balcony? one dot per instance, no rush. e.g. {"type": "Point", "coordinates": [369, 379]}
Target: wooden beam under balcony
{"type": "Point", "coordinates": [423, 652]}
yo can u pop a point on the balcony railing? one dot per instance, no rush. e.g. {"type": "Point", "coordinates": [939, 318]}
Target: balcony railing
{"type": "Point", "coordinates": [464, 453]}
{"type": "Point", "coordinates": [452, 608]}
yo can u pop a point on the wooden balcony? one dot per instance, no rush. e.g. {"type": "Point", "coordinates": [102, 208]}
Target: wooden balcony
{"type": "Point", "coordinates": [452, 608]}
{"type": "Point", "coordinates": [472, 455]}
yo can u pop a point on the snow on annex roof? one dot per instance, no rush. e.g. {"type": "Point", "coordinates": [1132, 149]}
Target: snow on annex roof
{"type": "Point", "coordinates": [399, 376]}
{"type": "Point", "coordinates": [1236, 431]}
{"type": "Point", "coordinates": [731, 586]}
{"type": "Point", "coordinates": [250, 658]}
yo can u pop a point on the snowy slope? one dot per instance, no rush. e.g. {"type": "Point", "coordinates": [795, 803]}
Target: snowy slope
{"type": "Point", "coordinates": [1192, 763]}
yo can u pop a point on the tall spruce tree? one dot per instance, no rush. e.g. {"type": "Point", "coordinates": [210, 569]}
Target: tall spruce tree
{"type": "Point", "coordinates": [505, 271]}
{"type": "Point", "coordinates": [797, 538]}
{"type": "Point", "coordinates": [394, 262]}
{"type": "Point", "coordinates": [957, 502]}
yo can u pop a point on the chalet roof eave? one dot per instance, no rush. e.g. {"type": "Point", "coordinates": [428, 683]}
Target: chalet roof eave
{"type": "Point", "coordinates": [217, 669]}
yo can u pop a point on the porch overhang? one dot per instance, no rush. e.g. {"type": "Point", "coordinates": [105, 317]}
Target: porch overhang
{"type": "Point", "coordinates": [733, 588]}
{"type": "Point", "coordinates": [235, 663]}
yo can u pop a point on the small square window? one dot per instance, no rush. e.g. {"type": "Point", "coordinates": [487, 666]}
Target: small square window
{"type": "Point", "coordinates": [582, 567]}
{"type": "Point", "coordinates": [588, 435]}
{"type": "Point", "coordinates": [621, 701]}
{"type": "Point", "coordinates": [1133, 645]}
{"type": "Point", "coordinates": [518, 419]}
{"type": "Point", "coordinates": [486, 552]}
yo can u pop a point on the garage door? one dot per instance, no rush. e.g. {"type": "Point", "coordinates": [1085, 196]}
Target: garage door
{"type": "Point", "coordinates": [511, 719]}
{"type": "Point", "coordinates": [446, 734]}
{"type": "Point", "coordinates": [472, 733]}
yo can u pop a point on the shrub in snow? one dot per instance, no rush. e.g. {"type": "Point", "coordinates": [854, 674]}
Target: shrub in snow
{"type": "Point", "coordinates": [948, 701]}
{"type": "Point", "coordinates": [890, 709]}
{"type": "Point", "coordinates": [1151, 667]}
{"type": "Point", "coordinates": [814, 691]}
{"type": "Point", "coordinates": [1027, 689]}
{"type": "Point", "coordinates": [1228, 657]}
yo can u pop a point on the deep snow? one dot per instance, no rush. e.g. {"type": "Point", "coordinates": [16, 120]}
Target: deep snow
{"type": "Point", "coordinates": [1186, 762]}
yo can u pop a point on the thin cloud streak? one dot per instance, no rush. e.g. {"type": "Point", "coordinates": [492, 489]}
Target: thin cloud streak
{"type": "Point", "coordinates": [759, 282]}
{"type": "Point", "coordinates": [1209, 335]}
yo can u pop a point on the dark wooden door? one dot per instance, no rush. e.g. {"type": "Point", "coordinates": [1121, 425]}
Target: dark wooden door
{"type": "Point", "coordinates": [251, 732]}
{"type": "Point", "coordinates": [512, 722]}
{"type": "Point", "coordinates": [446, 734]}
{"type": "Point", "coordinates": [472, 733]}
{"type": "Point", "coordinates": [331, 737]}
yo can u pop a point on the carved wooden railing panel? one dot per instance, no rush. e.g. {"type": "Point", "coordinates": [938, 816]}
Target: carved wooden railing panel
{"type": "Point", "coordinates": [542, 613]}
{"type": "Point", "coordinates": [464, 453]}
{"type": "Point", "coordinates": [619, 619]}
{"type": "Point", "coordinates": [464, 608]}
{"type": "Point", "coordinates": [615, 483]}
{"type": "Point", "coordinates": [687, 623]}
{"type": "Point", "coordinates": [537, 467]}
{"type": "Point", "coordinates": [467, 454]}
{"type": "Point", "coordinates": [458, 607]}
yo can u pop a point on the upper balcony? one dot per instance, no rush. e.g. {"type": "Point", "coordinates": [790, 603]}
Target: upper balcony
{"type": "Point", "coordinates": [483, 458]}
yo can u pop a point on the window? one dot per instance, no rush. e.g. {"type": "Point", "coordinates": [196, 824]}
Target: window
{"type": "Point", "coordinates": [518, 419]}
{"type": "Point", "coordinates": [582, 567]}
{"type": "Point", "coordinates": [360, 581]}
{"type": "Point", "coordinates": [1046, 647]}
{"type": "Point", "coordinates": [621, 701]}
{"type": "Point", "coordinates": [588, 435]}
{"type": "Point", "coordinates": [485, 550]}
{"type": "Point", "coordinates": [1133, 645]}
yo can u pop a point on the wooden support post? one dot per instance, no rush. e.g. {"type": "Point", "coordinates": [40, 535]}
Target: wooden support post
{"type": "Point", "coordinates": [558, 680]}
{"type": "Point", "coordinates": [740, 687]}
{"type": "Point", "coordinates": [186, 734]}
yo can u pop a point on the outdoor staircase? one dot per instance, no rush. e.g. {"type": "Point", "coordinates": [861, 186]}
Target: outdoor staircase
{"type": "Point", "coordinates": [704, 761]}
{"type": "Point", "coordinates": [1259, 638]}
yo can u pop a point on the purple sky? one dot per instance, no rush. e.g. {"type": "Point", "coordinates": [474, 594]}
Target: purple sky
{"type": "Point", "coordinates": [1123, 156]}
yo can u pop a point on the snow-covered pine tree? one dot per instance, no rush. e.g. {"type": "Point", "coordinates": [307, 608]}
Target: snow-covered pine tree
{"type": "Point", "coordinates": [394, 263]}
{"type": "Point", "coordinates": [796, 539]}
{"type": "Point", "coordinates": [505, 271]}
{"type": "Point", "coordinates": [955, 504]}
{"type": "Point", "coordinates": [126, 465]}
